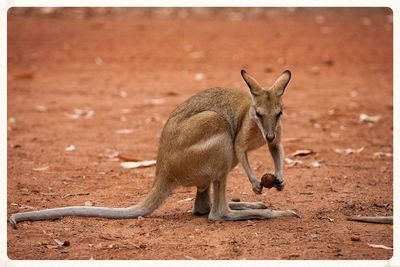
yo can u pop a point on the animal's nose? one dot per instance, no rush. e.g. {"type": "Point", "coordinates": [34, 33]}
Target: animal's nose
{"type": "Point", "coordinates": [270, 137]}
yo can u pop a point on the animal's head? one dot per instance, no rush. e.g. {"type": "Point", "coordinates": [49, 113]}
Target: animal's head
{"type": "Point", "coordinates": [266, 103]}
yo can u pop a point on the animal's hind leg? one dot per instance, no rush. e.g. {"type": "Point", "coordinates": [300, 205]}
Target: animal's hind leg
{"type": "Point", "coordinates": [221, 212]}
{"type": "Point", "coordinates": [202, 203]}
{"type": "Point", "coordinates": [246, 205]}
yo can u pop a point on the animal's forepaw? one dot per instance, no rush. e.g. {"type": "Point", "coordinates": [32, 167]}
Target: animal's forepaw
{"type": "Point", "coordinates": [279, 184]}
{"type": "Point", "coordinates": [257, 187]}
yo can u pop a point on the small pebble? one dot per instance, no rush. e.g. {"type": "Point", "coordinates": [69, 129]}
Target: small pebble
{"type": "Point", "coordinates": [315, 70]}
{"type": "Point", "coordinates": [355, 238]}
{"type": "Point", "coordinates": [315, 164]}
{"type": "Point", "coordinates": [327, 61]}
{"type": "Point", "coordinates": [280, 61]}
{"type": "Point", "coordinates": [350, 205]}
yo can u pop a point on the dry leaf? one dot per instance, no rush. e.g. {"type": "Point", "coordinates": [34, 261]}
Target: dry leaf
{"type": "Point", "coordinates": [88, 114]}
{"type": "Point", "coordinates": [123, 94]}
{"type": "Point", "coordinates": [292, 163]}
{"type": "Point", "coordinates": [47, 193]}
{"type": "Point", "coordinates": [382, 154]}
{"type": "Point", "coordinates": [26, 207]}
{"type": "Point", "coordinates": [184, 200]}
{"type": "Point", "coordinates": [367, 118]}
{"type": "Point", "coordinates": [62, 243]}
{"type": "Point", "coordinates": [80, 113]}
{"type": "Point", "coordinates": [196, 54]}
{"type": "Point", "coordinates": [124, 157]}
{"type": "Point", "coordinates": [111, 154]}
{"type": "Point", "coordinates": [77, 194]}
{"type": "Point", "coordinates": [41, 108]}
{"type": "Point", "coordinates": [12, 120]}
{"type": "Point", "coordinates": [348, 151]}
{"type": "Point", "coordinates": [152, 119]}
{"type": "Point", "coordinates": [124, 131]}
{"type": "Point", "coordinates": [39, 169]}
{"type": "Point", "coordinates": [88, 203]}
{"type": "Point", "coordinates": [302, 152]}
{"type": "Point", "coordinates": [137, 164]}
{"type": "Point", "coordinates": [379, 246]}
{"type": "Point", "coordinates": [291, 139]}
{"type": "Point", "coordinates": [315, 164]}
{"type": "Point", "coordinates": [154, 101]}
{"type": "Point", "coordinates": [70, 148]}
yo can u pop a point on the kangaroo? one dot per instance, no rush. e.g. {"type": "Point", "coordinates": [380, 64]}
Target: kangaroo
{"type": "Point", "coordinates": [204, 138]}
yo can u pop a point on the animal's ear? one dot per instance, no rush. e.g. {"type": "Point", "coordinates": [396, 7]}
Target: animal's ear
{"type": "Point", "coordinates": [254, 87]}
{"type": "Point", "coordinates": [281, 83]}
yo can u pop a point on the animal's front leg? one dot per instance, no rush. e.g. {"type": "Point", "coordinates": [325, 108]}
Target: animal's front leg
{"type": "Point", "coordinates": [276, 150]}
{"type": "Point", "coordinates": [256, 186]}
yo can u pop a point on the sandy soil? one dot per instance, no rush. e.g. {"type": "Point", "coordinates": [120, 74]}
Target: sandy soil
{"type": "Point", "coordinates": [133, 67]}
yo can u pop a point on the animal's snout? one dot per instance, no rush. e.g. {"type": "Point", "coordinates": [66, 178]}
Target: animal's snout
{"type": "Point", "coordinates": [270, 137]}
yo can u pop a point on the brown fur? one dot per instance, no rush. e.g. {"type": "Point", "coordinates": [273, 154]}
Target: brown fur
{"type": "Point", "coordinates": [202, 141]}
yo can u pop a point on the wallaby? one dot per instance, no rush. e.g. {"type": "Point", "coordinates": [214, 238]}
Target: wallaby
{"type": "Point", "coordinates": [204, 138]}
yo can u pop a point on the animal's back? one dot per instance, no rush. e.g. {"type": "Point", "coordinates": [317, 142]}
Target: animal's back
{"type": "Point", "coordinates": [230, 104]}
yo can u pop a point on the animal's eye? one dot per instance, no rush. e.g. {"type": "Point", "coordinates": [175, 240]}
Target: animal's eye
{"type": "Point", "coordinates": [279, 114]}
{"type": "Point", "coordinates": [258, 115]}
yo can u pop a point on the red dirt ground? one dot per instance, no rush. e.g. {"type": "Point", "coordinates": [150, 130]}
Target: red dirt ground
{"type": "Point", "coordinates": [116, 62]}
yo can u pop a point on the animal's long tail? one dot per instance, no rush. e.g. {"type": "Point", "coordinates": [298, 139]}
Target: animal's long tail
{"type": "Point", "coordinates": [160, 191]}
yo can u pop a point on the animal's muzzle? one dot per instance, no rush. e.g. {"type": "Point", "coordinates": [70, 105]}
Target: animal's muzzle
{"type": "Point", "coordinates": [270, 137]}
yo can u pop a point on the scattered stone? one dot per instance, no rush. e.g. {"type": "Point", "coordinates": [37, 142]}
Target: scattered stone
{"type": "Point", "coordinates": [350, 205]}
{"type": "Point", "coordinates": [380, 246]}
{"type": "Point", "coordinates": [41, 108]}
{"type": "Point", "coordinates": [98, 61]}
{"type": "Point", "coordinates": [327, 61]}
{"type": "Point", "coordinates": [70, 148]}
{"type": "Point", "coordinates": [366, 21]}
{"type": "Point", "coordinates": [280, 61]}
{"type": "Point", "coordinates": [89, 203]}
{"type": "Point", "coordinates": [319, 19]}
{"type": "Point", "coordinates": [367, 118]}
{"type": "Point", "coordinates": [199, 76]}
{"type": "Point", "coordinates": [348, 151]}
{"type": "Point", "coordinates": [315, 70]}
{"type": "Point", "coordinates": [315, 164]}
{"type": "Point", "coordinates": [382, 205]}
{"type": "Point", "coordinates": [382, 154]}
{"type": "Point", "coordinates": [302, 152]}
